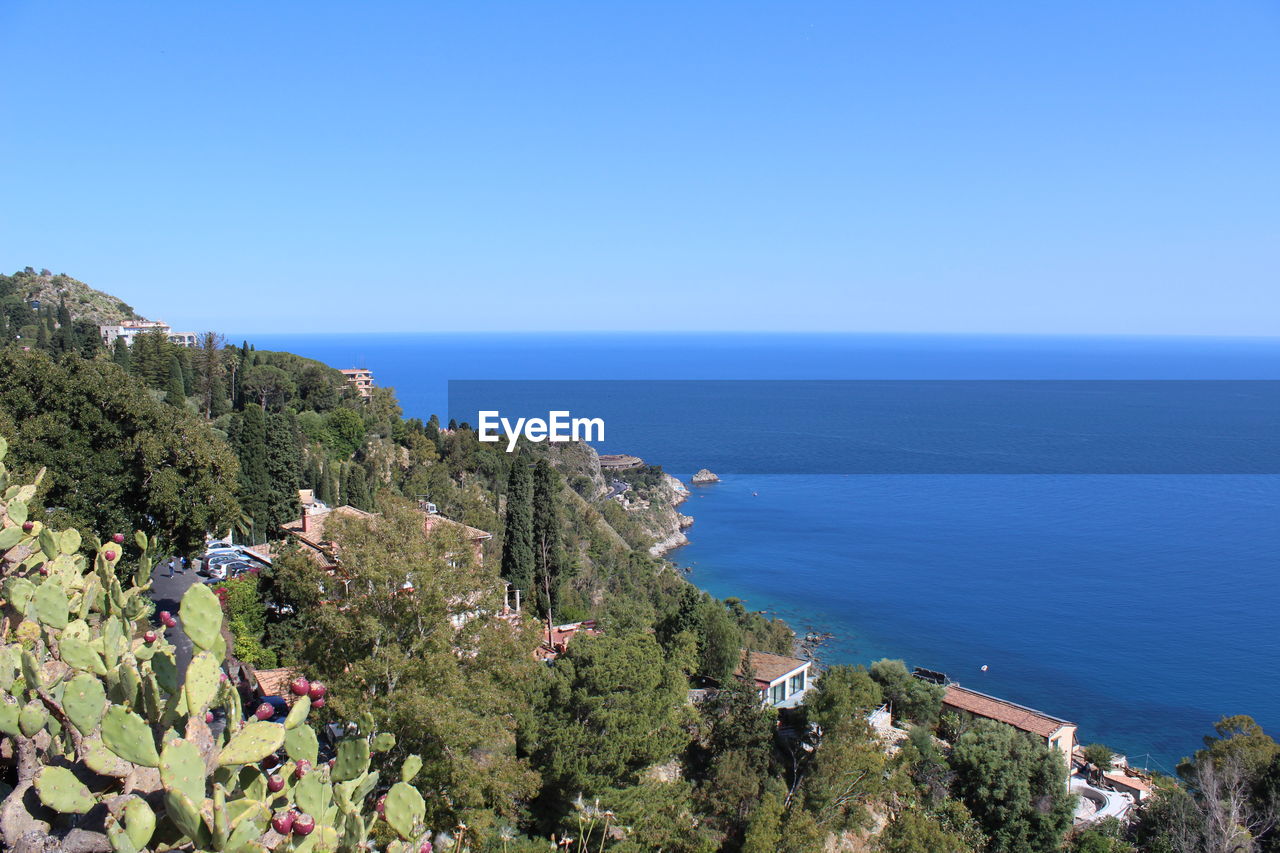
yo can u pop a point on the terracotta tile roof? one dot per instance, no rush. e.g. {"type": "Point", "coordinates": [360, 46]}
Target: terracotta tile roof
{"type": "Point", "coordinates": [431, 521]}
{"type": "Point", "coordinates": [1018, 716]}
{"type": "Point", "coordinates": [767, 667]}
{"type": "Point", "coordinates": [1119, 777]}
{"type": "Point", "coordinates": [275, 682]}
{"type": "Point", "coordinates": [314, 534]}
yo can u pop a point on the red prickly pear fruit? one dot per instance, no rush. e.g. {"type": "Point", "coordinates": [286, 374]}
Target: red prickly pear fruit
{"type": "Point", "coordinates": [208, 716]}
{"type": "Point", "coordinates": [271, 762]}
{"type": "Point", "coordinates": [425, 848]}
{"type": "Point", "coordinates": [117, 538]}
{"type": "Point", "coordinates": [303, 824]}
{"type": "Point", "coordinates": [381, 805]}
{"type": "Point", "coordinates": [300, 686]}
{"type": "Point", "coordinates": [110, 555]}
{"type": "Point", "coordinates": [317, 690]}
{"type": "Point", "coordinates": [149, 637]}
{"type": "Point", "coordinates": [28, 526]}
{"type": "Point", "coordinates": [264, 711]}
{"type": "Point", "coordinates": [282, 822]}
{"type": "Point", "coordinates": [302, 768]}
{"type": "Point", "coordinates": [275, 783]}
{"type": "Point", "coordinates": [319, 703]}
{"type": "Point", "coordinates": [44, 571]}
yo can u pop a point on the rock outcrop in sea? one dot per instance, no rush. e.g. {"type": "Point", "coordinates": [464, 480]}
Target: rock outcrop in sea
{"type": "Point", "coordinates": [704, 476]}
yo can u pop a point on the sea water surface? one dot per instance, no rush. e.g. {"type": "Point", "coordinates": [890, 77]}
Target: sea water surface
{"type": "Point", "coordinates": [1139, 605]}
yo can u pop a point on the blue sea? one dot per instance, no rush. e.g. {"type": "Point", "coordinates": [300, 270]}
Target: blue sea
{"type": "Point", "coordinates": [1137, 600]}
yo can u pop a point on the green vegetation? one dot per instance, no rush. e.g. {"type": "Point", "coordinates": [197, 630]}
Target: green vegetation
{"type": "Point", "coordinates": [602, 742]}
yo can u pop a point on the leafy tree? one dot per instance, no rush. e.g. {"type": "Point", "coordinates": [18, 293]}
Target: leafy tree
{"type": "Point", "coordinates": [917, 831]}
{"type": "Point", "coordinates": [721, 642]}
{"type": "Point", "coordinates": [346, 432]}
{"type": "Point", "coordinates": [1015, 786]}
{"type": "Point", "coordinates": [121, 460]}
{"type": "Point", "coordinates": [910, 698]}
{"type": "Point", "coordinates": [517, 539]}
{"type": "Point", "coordinates": [451, 694]}
{"type": "Point", "coordinates": [844, 692]}
{"type": "Point", "coordinates": [1099, 755]}
{"type": "Point", "coordinates": [764, 829]}
{"type": "Point", "coordinates": [1105, 836]}
{"type": "Point", "coordinates": [612, 707]}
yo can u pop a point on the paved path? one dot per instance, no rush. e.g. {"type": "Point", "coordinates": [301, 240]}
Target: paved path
{"type": "Point", "coordinates": [167, 593]}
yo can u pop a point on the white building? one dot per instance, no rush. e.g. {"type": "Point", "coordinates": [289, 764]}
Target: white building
{"type": "Point", "coordinates": [782, 681]}
{"type": "Point", "coordinates": [130, 331]}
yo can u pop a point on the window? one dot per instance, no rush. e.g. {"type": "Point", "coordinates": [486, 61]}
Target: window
{"type": "Point", "coordinates": [778, 692]}
{"type": "Point", "coordinates": [797, 682]}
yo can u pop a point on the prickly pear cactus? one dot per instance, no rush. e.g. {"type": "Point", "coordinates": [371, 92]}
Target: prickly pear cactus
{"type": "Point", "coordinates": [110, 727]}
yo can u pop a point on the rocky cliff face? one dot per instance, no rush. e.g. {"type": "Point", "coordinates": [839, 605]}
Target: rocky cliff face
{"type": "Point", "coordinates": [651, 509]}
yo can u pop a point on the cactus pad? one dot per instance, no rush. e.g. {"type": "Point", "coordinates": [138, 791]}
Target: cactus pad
{"type": "Point", "coordinates": [352, 759]}
{"type": "Point", "coordinates": [60, 790]}
{"type": "Point", "coordinates": [50, 602]}
{"type": "Point", "coordinates": [253, 743]}
{"type": "Point", "coordinates": [410, 768]}
{"type": "Point", "coordinates": [298, 713]}
{"type": "Point", "coordinates": [202, 682]}
{"type": "Point", "coordinates": [201, 616]}
{"type": "Point", "coordinates": [404, 809]}
{"type": "Point", "coordinates": [128, 736]}
{"type": "Point", "coordinates": [139, 822]}
{"type": "Point", "coordinates": [182, 769]}
{"type": "Point", "coordinates": [85, 701]}
{"type": "Point", "coordinates": [301, 744]}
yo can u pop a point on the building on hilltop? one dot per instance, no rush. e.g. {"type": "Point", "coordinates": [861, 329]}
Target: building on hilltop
{"type": "Point", "coordinates": [361, 379]}
{"type": "Point", "coordinates": [1057, 733]}
{"type": "Point", "coordinates": [782, 681]}
{"type": "Point", "coordinates": [130, 331]}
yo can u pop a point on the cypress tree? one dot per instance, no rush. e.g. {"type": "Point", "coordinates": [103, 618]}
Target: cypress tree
{"type": "Point", "coordinates": [65, 338]}
{"type": "Point", "coordinates": [284, 461]}
{"type": "Point", "coordinates": [355, 486]}
{"type": "Point", "coordinates": [253, 469]}
{"type": "Point", "coordinates": [517, 538]}
{"type": "Point", "coordinates": [188, 372]}
{"type": "Point", "coordinates": [174, 393]}
{"type": "Point", "coordinates": [327, 491]}
{"type": "Point", "coordinates": [42, 335]}
{"type": "Point", "coordinates": [548, 559]}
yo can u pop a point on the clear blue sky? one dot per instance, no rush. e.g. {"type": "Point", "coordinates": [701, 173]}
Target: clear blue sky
{"type": "Point", "coordinates": [1094, 167]}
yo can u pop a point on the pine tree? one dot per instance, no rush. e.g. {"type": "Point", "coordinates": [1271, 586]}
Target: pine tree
{"type": "Point", "coordinates": [548, 557]}
{"type": "Point", "coordinates": [517, 540]}
{"type": "Point", "coordinates": [174, 393]}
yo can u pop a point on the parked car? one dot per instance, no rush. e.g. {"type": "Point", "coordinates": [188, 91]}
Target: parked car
{"type": "Point", "coordinates": [237, 568]}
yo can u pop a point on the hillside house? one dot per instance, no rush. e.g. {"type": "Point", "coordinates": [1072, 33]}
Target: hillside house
{"type": "Point", "coordinates": [130, 331]}
{"type": "Point", "coordinates": [1057, 733]}
{"type": "Point", "coordinates": [781, 680]}
{"type": "Point", "coordinates": [359, 378]}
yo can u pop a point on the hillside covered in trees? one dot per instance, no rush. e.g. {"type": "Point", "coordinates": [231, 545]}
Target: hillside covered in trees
{"type": "Point", "coordinates": [636, 737]}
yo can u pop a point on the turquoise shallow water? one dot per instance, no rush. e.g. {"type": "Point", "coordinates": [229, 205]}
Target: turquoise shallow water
{"type": "Point", "coordinates": [1140, 606]}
